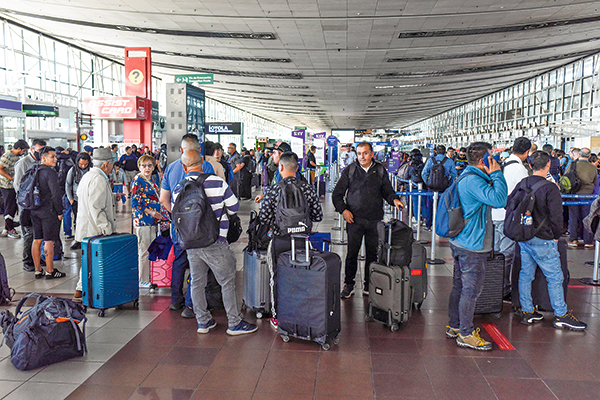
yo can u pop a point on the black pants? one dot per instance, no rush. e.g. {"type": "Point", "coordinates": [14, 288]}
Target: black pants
{"type": "Point", "coordinates": [27, 229]}
{"type": "Point", "coordinates": [356, 231]}
{"type": "Point", "coordinates": [9, 209]}
{"type": "Point", "coordinates": [279, 244]}
{"type": "Point", "coordinates": [74, 211]}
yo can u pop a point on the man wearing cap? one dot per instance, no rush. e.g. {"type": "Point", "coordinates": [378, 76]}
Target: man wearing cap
{"type": "Point", "coordinates": [235, 164]}
{"type": "Point", "coordinates": [96, 213]}
{"type": "Point", "coordinates": [278, 150]}
{"type": "Point", "coordinates": [7, 173]}
{"type": "Point", "coordinates": [89, 150]}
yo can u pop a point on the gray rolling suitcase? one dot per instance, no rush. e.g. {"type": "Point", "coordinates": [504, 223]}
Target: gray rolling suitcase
{"type": "Point", "coordinates": [390, 294]}
{"type": "Point", "coordinates": [418, 274]}
{"type": "Point", "coordinates": [257, 287]}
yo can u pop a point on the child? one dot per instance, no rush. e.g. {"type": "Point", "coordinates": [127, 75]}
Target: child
{"type": "Point", "coordinates": [119, 182]}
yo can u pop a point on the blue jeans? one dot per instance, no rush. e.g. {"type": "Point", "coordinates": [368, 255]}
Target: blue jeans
{"type": "Point", "coordinates": [221, 260]}
{"type": "Point", "coordinates": [467, 284]}
{"type": "Point", "coordinates": [180, 264]}
{"type": "Point", "coordinates": [543, 253]}
{"type": "Point", "coordinates": [67, 217]}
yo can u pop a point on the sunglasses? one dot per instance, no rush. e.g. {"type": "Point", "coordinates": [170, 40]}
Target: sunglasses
{"type": "Point", "coordinates": [147, 165]}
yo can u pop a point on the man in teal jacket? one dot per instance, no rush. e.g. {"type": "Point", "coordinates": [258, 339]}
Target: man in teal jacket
{"type": "Point", "coordinates": [482, 189]}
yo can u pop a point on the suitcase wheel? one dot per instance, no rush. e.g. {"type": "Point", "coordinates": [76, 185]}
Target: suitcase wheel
{"type": "Point", "coordinates": [285, 338]}
{"type": "Point", "coordinates": [368, 318]}
{"type": "Point", "coordinates": [336, 341]}
{"type": "Point", "coordinates": [497, 315]}
{"type": "Point", "coordinates": [259, 315]}
{"type": "Point", "coordinates": [394, 327]}
{"type": "Point", "coordinates": [326, 346]}
{"type": "Point", "coordinates": [418, 305]}
{"type": "Point", "coordinates": [136, 303]}
{"type": "Point", "coordinates": [101, 313]}
{"type": "Point", "coordinates": [153, 287]}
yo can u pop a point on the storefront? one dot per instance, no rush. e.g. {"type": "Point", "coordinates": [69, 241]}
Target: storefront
{"type": "Point", "coordinates": [12, 121]}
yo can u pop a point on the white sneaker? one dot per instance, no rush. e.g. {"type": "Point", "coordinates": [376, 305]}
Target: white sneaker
{"type": "Point", "coordinates": [13, 234]}
{"type": "Point", "coordinates": [144, 285]}
{"type": "Point", "coordinates": [4, 233]}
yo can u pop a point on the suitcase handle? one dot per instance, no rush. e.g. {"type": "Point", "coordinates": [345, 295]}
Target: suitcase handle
{"type": "Point", "coordinates": [389, 248]}
{"type": "Point", "coordinates": [293, 259]}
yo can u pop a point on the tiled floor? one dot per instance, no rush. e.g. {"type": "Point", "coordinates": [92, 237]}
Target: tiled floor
{"type": "Point", "coordinates": [153, 353]}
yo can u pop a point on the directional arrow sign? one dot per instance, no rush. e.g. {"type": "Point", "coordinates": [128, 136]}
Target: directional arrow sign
{"type": "Point", "coordinates": [205, 79]}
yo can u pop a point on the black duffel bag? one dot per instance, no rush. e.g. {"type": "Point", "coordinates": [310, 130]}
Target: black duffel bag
{"type": "Point", "coordinates": [45, 334]}
{"type": "Point", "coordinates": [400, 243]}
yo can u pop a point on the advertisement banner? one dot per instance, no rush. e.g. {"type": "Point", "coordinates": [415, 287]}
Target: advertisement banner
{"type": "Point", "coordinates": [394, 162]}
{"type": "Point", "coordinates": [297, 144]}
{"type": "Point", "coordinates": [320, 135]}
{"type": "Point", "coordinates": [126, 107]}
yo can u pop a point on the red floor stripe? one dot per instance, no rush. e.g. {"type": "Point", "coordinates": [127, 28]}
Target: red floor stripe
{"type": "Point", "coordinates": [498, 337]}
{"type": "Point", "coordinates": [581, 286]}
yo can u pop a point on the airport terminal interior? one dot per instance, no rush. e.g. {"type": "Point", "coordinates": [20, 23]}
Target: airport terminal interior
{"type": "Point", "coordinates": [399, 74]}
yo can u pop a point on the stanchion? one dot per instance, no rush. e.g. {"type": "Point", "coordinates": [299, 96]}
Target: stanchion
{"type": "Point", "coordinates": [342, 241]}
{"type": "Point", "coordinates": [340, 223]}
{"type": "Point", "coordinates": [432, 260]}
{"type": "Point", "coordinates": [594, 279]}
{"type": "Point", "coordinates": [318, 178]}
{"type": "Point", "coordinates": [410, 205]}
{"type": "Point", "coordinates": [419, 200]}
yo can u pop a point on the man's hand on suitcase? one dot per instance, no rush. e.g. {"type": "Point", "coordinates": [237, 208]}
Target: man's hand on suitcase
{"type": "Point", "coordinates": [348, 216]}
{"type": "Point", "coordinates": [399, 205]}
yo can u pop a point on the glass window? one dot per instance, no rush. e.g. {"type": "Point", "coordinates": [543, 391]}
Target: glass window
{"type": "Point", "coordinates": [588, 66]}
{"type": "Point", "coordinates": [587, 84]}
{"type": "Point", "coordinates": [552, 78]}
{"type": "Point", "coordinates": [577, 87]}
{"type": "Point", "coordinates": [560, 76]}
{"type": "Point", "coordinates": [568, 89]}
{"type": "Point", "coordinates": [576, 102]}
{"type": "Point", "coordinates": [586, 100]}
{"type": "Point", "coordinates": [568, 73]}
{"type": "Point", "coordinates": [558, 105]}
{"type": "Point", "coordinates": [577, 70]}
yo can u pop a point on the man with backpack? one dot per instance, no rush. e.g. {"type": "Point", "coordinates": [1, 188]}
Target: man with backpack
{"type": "Point", "coordinates": [439, 171]}
{"type": "Point", "coordinates": [359, 195]}
{"type": "Point", "coordinates": [480, 189]}
{"type": "Point", "coordinates": [9, 195]}
{"type": "Point", "coordinates": [290, 206]}
{"type": "Point", "coordinates": [203, 234]}
{"type": "Point", "coordinates": [63, 165]}
{"type": "Point", "coordinates": [513, 171]}
{"type": "Point", "coordinates": [26, 226]}
{"type": "Point", "coordinates": [541, 249]}
{"type": "Point", "coordinates": [46, 214]}
{"type": "Point", "coordinates": [587, 174]}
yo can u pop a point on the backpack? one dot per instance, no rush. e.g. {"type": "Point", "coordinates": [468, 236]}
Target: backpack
{"type": "Point", "coordinates": [292, 214]}
{"type": "Point", "coordinates": [235, 229]}
{"type": "Point", "coordinates": [193, 217]}
{"type": "Point", "coordinates": [416, 174]}
{"type": "Point", "coordinates": [29, 192]}
{"type": "Point", "coordinates": [569, 183]}
{"type": "Point", "coordinates": [506, 164]}
{"type": "Point", "coordinates": [518, 223]}
{"type": "Point", "coordinates": [450, 220]}
{"type": "Point", "coordinates": [258, 234]}
{"type": "Point", "coordinates": [400, 244]}
{"type": "Point", "coordinates": [437, 180]}
{"type": "Point", "coordinates": [45, 334]}
{"type": "Point", "coordinates": [6, 292]}
{"type": "Point", "coordinates": [62, 169]}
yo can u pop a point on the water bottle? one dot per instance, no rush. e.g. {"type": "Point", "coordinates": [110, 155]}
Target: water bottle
{"type": "Point", "coordinates": [527, 219]}
{"type": "Point", "coordinates": [36, 197]}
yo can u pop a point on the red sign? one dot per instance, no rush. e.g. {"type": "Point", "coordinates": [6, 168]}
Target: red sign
{"type": "Point", "coordinates": [128, 107]}
{"type": "Point", "coordinates": [138, 72]}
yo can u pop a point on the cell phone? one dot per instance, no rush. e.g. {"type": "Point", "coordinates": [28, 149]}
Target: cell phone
{"type": "Point", "coordinates": [486, 159]}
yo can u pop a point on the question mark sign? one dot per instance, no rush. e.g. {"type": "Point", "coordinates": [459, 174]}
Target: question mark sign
{"type": "Point", "coordinates": [135, 76]}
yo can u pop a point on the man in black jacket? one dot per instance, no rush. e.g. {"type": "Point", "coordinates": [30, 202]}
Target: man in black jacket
{"type": "Point", "coordinates": [46, 218]}
{"type": "Point", "coordinates": [542, 249]}
{"type": "Point", "coordinates": [359, 196]}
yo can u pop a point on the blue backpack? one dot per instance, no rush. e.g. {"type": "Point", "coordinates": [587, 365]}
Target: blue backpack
{"type": "Point", "coordinates": [450, 220]}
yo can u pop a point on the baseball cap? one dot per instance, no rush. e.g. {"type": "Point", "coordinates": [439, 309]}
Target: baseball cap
{"type": "Point", "coordinates": [283, 147]}
{"type": "Point", "coordinates": [102, 154]}
{"type": "Point", "coordinates": [88, 149]}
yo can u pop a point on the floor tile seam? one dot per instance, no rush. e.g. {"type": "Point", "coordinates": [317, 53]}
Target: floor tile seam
{"type": "Point", "coordinates": [12, 391]}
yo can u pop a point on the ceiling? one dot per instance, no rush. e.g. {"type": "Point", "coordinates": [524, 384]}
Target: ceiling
{"type": "Point", "coordinates": [329, 63]}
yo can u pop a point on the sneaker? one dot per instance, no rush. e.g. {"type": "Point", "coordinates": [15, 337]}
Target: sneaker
{"type": "Point", "coordinates": [188, 313]}
{"type": "Point", "coordinates": [75, 246]}
{"type": "Point", "coordinates": [274, 323]}
{"type": "Point", "coordinates": [366, 289]}
{"type": "Point", "coordinates": [204, 328]}
{"type": "Point", "coordinates": [175, 306]}
{"type": "Point", "coordinates": [574, 243]}
{"type": "Point", "coordinates": [4, 233]}
{"type": "Point", "coordinates": [452, 333]}
{"type": "Point", "coordinates": [347, 291]}
{"type": "Point", "coordinates": [39, 274]}
{"type": "Point", "coordinates": [13, 234]}
{"type": "Point", "coordinates": [144, 285]}
{"type": "Point", "coordinates": [70, 237]}
{"type": "Point", "coordinates": [569, 321]}
{"type": "Point", "coordinates": [56, 274]}
{"type": "Point", "coordinates": [507, 298]}
{"type": "Point", "coordinates": [529, 318]}
{"type": "Point", "coordinates": [589, 245]}
{"type": "Point", "coordinates": [473, 341]}
{"type": "Point", "coordinates": [242, 328]}
{"type": "Point", "coordinates": [78, 296]}
{"type": "Point", "coordinates": [28, 268]}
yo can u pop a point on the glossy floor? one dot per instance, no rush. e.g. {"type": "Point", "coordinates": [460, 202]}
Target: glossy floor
{"type": "Point", "coordinates": [153, 353]}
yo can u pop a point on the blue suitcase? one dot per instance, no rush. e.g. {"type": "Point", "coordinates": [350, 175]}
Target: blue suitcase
{"type": "Point", "coordinates": [112, 279]}
{"type": "Point", "coordinates": [320, 241]}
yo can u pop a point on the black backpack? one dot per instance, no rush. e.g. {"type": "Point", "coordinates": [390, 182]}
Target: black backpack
{"type": "Point", "coordinates": [416, 174]}
{"type": "Point", "coordinates": [193, 217]}
{"type": "Point", "coordinates": [29, 192]}
{"type": "Point", "coordinates": [400, 243]}
{"type": "Point", "coordinates": [518, 223]}
{"type": "Point", "coordinates": [258, 234]}
{"type": "Point", "coordinates": [62, 169]}
{"type": "Point", "coordinates": [6, 292]}
{"type": "Point", "coordinates": [293, 213]}
{"type": "Point", "coordinates": [437, 180]}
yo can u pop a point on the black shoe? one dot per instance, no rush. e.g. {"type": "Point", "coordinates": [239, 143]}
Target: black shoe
{"type": "Point", "coordinates": [28, 268]}
{"type": "Point", "coordinates": [76, 246]}
{"type": "Point", "coordinates": [569, 321]}
{"type": "Point", "coordinates": [530, 318]}
{"type": "Point", "coordinates": [39, 274]}
{"type": "Point", "coordinates": [507, 298]}
{"type": "Point", "coordinates": [175, 306]}
{"type": "Point", "coordinates": [188, 313]}
{"type": "Point", "coordinates": [56, 274]}
{"type": "Point", "coordinates": [347, 291]}
{"type": "Point", "coordinates": [70, 237]}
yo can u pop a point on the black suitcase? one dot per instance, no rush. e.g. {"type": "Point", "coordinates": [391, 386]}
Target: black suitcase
{"type": "Point", "coordinates": [390, 294]}
{"type": "Point", "coordinates": [490, 300]}
{"type": "Point", "coordinates": [308, 295]}
{"type": "Point", "coordinates": [418, 274]}
{"type": "Point", "coordinates": [539, 286]}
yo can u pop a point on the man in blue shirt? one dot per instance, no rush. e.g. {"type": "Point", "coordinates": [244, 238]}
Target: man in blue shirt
{"type": "Point", "coordinates": [449, 167]}
{"type": "Point", "coordinates": [174, 173]}
{"type": "Point", "coordinates": [480, 189]}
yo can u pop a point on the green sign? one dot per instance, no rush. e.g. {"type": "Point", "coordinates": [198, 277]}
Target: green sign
{"type": "Point", "coordinates": [299, 128]}
{"type": "Point", "coordinates": [205, 79]}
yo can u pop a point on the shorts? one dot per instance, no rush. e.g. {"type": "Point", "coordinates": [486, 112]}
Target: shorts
{"type": "Point", "coordinates": [46, 228]}
{"type": "Point", "coordinates": [118, 188]}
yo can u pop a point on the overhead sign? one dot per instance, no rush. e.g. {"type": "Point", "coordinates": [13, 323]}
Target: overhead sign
{"type": "Point", "coordinates": [332, 141]}
{"type": "Point", "coordinates": [226, 128]}
{"type": "Point", "coordinates": [395, 143]}
{"type": "Point", "coordinates": [203, 79]}
{"type": "Point", "coordinates": [126, 107]}
{"type": "Point", "coordinates": [382, 144]}
{"type": "Point", "coordinates": [36, 110]}
{"type": "Point", "coordinates": [300, 128]}
{"type": "Point", "coordinates": [320, 135]}
{"type": "Point", "coordinates": [136, 76]}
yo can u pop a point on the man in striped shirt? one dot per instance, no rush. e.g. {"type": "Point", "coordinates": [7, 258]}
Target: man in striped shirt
{"type": "Point", "coordinates": [218, 256]}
